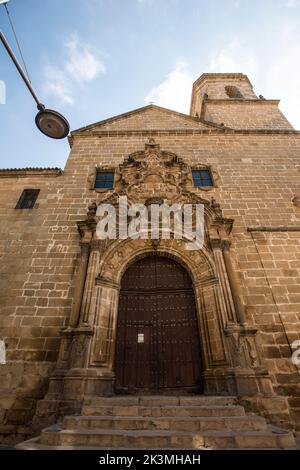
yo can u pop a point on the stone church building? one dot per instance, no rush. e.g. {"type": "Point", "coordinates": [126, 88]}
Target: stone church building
{"type": "Point", "coordinates": [141, 343]}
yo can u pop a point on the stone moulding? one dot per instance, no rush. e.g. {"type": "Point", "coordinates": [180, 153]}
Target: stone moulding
{"type": "Point", "coordinates": [216, 130]}
{"type": "Point", "coordinates": [274, 228]}
{"type": "Point", "coordinates": [26, 172]}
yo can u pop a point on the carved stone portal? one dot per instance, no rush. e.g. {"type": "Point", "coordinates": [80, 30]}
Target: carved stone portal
{"type": "Point", "coordinates": [229, 348]}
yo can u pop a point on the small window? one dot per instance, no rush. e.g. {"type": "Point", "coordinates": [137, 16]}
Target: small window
{"type": "Point", "coordinates": [28, 199]}
{"type": "Point", "coordinates": [202, 178]}
{"type": "Point", "coordinates": [104, 180]}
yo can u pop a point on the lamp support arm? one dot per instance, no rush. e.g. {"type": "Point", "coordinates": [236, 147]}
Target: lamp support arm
{"type": "Point", "coordinates": [40, 106]}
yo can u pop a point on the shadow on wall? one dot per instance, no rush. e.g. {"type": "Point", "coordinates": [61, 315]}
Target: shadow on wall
{"type": "Point", "coordinates": [21, 386]}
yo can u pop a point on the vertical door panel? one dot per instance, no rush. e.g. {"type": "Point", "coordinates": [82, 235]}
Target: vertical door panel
{"type": "Point", "coordinates": [157, 332]}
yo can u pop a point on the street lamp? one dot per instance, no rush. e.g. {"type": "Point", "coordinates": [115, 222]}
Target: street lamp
{"type": "Point", "coordinates": [49, 122]}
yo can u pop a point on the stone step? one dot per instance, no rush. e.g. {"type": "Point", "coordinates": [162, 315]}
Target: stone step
{"type": "Point", "coordinates": [161, 400]}
{"type": "Point", "coordinates": [164, 411]}
{"type": "Point", "coordinates": [34, 444]}
{"type": "Point", "coordinates": [270, 438]}
{"type": "Point", "coordinates": [171, 424]}
{"type": "Point", "coordinates": [162, 422]}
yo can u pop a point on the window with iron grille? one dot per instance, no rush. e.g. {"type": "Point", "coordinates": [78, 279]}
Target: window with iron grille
{"type": "Point", "coordinates": [202, 178]}
{"type": "Point", "coordinates": [28, 199]}
{"type": "Point", "coordinates": [104, 180]}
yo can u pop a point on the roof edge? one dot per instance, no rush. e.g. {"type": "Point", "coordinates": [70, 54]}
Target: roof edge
{"type": "Point", "coordinates": [225, 76]}
{"type": "Point", "coordinates": [30, 171]}
{"type": "Point", "coordinates": [135, 111]}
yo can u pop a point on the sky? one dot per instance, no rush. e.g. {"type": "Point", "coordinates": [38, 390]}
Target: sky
{"type": "Point", "coordinates": [93, 59]}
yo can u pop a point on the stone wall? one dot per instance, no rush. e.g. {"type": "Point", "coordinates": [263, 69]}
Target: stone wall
{"type": "Point", "coordinates": [38, 255]}
{"type": "Point", "coordinates": [241, 114]}
{"type": "Point", "coordinates": [256, 173]}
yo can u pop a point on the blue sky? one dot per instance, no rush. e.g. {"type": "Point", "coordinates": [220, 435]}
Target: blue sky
{"type": "Point", "coordinates": [92, 59]}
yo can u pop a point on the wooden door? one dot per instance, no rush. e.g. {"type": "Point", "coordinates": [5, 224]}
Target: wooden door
{"type": "Point", "coordinates": [157, 342]}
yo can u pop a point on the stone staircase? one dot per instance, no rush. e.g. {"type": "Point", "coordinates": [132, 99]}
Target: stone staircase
{"type": "Point", "coordinates": [161, 422]}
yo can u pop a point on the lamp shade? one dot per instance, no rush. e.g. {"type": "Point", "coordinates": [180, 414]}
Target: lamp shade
{"type": "Point", "coordinates": [52, 124]}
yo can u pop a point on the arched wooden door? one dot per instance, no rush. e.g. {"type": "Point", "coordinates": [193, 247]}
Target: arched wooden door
{"type": "Point", "coordinates": [157, 342]}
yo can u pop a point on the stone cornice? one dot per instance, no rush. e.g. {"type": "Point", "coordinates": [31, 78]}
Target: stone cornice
{"type": "Point", "coordinates": [222, 76]}
{"type": "Point", "coordinates": [26, 172]}
{"type": "Point", "coordinates": [274, 228]}
{"type": "Point", "coordinates": [228, 101]}
{"type": "Point", "coordinates": [213, 131]}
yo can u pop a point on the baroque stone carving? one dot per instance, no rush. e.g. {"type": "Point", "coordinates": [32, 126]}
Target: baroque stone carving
{"type": "Point", "coordinates": [146, 173]}
{"type": "Point", "coordinates": [79, 348]}
{"type": "Point", "coordinates": [242, 346]}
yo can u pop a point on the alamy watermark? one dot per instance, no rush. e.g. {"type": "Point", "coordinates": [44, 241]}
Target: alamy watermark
{"type": "Point", "coordinates": [154, 221]}
{"type": "Point", "coordinates": [2, 92]}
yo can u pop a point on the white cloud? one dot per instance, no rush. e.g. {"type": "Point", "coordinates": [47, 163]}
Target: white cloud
{"type": "Point", "coordinates": [57, 85]}
{"type": "Point", "coordinates": [80, 65]}
{"type": "Point", "coordinates": [273, 73]}
{"type": "Point", "coordinates": [174, 91]}
{"type": "Point", "coordinates": [282, 76]}
{"type": "Point", "coordinates": [233, 57]}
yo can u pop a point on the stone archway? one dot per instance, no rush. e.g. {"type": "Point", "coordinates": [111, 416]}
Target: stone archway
{"type": "Point", "coordinates": [103, 303]}
{"type": "Point", "coordinates": [157, 335]}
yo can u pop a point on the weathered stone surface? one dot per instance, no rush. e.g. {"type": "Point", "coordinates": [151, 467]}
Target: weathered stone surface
{"type": "Point", "coordinates": [254, 161]}
{"type": "Point", "coordinates": [224, 428]}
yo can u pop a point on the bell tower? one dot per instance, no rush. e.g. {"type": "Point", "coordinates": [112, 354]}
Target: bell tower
{"type": "Point", "coordinates": [228, 99]}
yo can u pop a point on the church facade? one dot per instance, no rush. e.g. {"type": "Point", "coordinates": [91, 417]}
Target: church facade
{"type": "Point", "coordinates": [84, 317]}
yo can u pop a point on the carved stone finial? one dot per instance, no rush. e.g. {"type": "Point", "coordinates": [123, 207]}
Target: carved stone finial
{"type": "Point", "coordinates": [92, 209]}
{"type": "Point", "coordinates": [87, 227]}
{"type": "Point", "coordinates": [130, 159]}
{"type": "Point", "coordinates": [216, 207]}
{"type": "Point", "coordinates": [214, 204]}
{"type": "Point", "coordinates": [152, 145]}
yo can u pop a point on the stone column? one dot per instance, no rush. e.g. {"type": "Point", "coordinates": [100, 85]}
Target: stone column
{"type": "Point", "coordinates": [225, 296]}
{"type": "Point", "coordinates": [76, 336]}
{"type": "Point", "coordinates": [88, 304]}
{"type": "Point", "coordinates": [234, 286]}
{"type": "Point", "coordinates": [79, 287]}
